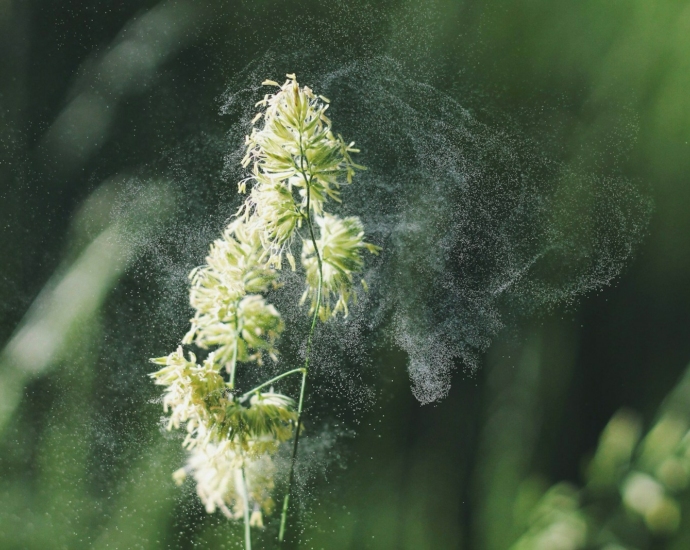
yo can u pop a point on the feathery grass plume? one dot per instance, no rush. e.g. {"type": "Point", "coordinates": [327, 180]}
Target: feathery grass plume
{"type": "Point", "coordinates": [246, 329]}
{"type": "Point", "coordinates": [294, 151]}
{"type": "Point", "coordinates": [218, 470]}
{"type": "Point", "coordinates": [243, 327]}
{"type": "Point", "coordinates": [298, 166]}
{"type": "Point", "coordinates": [340, 245]}
{"type": "Point", "coordinates": [192, 391]}
{"type": "Point", "coordinates": [274, 205]}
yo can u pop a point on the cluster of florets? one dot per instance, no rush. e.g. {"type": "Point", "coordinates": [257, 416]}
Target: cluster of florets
{"type": "Point", "coordinates": [298, 165]}
{"type": "Point", "coordinates": [227, 436]}
{"type": "Point", "coordinates": [222, 475]}
{"type": "Point", "coordinates": [340, 245]}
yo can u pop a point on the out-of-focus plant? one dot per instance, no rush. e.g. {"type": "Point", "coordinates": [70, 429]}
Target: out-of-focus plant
{"type": "Point", "coordinates": [297, 167]}
{"type": "Point", "coordinates": [632, 483]}
{"type": "Point", "coordinates": [58, 339]}
{"type": "Point", "coordinates": [76, 292]}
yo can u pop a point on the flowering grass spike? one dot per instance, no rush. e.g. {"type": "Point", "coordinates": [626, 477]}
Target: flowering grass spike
{"type": "Point", "coordinates": [297, 168]}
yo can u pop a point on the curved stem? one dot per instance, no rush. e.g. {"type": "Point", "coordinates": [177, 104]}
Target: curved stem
{"type": "Point", "coordinates": [310, 225]}
{"type": "Point", "coordinates": [271, 381]}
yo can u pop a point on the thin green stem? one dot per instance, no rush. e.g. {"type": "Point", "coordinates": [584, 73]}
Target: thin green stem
{"type": "Point", "coordinates": [233, 366]}
{"type": "Point", "coordinates": [286, 500]}
{"type": "Point", "coordinates": [310, 225]}
{"type": "Point", "coordinates": [245, 502]}
{"type": "Point", "coordinates": [271, 381]}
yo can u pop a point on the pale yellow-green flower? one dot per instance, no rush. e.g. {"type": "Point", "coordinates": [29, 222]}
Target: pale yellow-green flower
{"type": "Point", "coordinates": [296, 138]}
{"type": "Point", "coordinates": [294, 151]}
{"type": "Point", "coordinates": [340, 244]}
{"type": "Point", "coordinates": [297, 167]}
{"type": "Point", "coordinates": [219, 469]}
{"type": "Point", "coordinates": [248, 329]}
{"type": "Point", "coordinates": [274, 216]}
{"type": "Point", "coordinates": [272, 414]}
{"type": "Point", "coordinates": [268, 420]}
{"type": "Point", "coordinates": [242, 326]}
{"type": "Point", "coordinates": [192, 392]}
{"type": "Point", "coordinates": [233, 268]}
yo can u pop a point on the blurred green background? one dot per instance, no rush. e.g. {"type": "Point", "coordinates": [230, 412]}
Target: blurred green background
{"type": "Point", "coordinates": [83, 133]}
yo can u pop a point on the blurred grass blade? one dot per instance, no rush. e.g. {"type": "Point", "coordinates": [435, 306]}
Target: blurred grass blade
{"type": "Point", "coordinates": [130, 66]}
{"type": "Point", "coordinates": [76, 293]}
